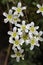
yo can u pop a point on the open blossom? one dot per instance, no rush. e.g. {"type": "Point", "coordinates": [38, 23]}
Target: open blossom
{"type": "Point", "coordinates": [8, 16]}
{"type": "Point", "coordinates": [18, 9]}
{"type": "Point", "coordinates": [39, 36]}
{"type": "Point", "coordinates": [11, 17]}
{"type": "Point", "coordinates": [25, 37]}
{"type": "Point", "coordinates": [18, 54]}
{"type": "Point", "coordinates": [33, 29]}
{"type": "Point", "coordinates": [40, 9]}
{"type": "Point", "coordinates": [17, 42]}
{"type": "Point", "coordinates": [15, 19]}
{"type": "Point", "coordinates": [33, 41]}
{"type": "Point", "coordinates": [23, 27]}
{"type": "Point", "coordinates": [14, 33]}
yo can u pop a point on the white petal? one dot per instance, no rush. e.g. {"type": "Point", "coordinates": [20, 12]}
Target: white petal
{"type": "Point", "coordinates": [28, 26]}
{"type": "Point", "coordinates": [21, 41]}
{"type": "Point", "coordinates": [37, 45]}
{"type": "Point", "coordinates": [10, 40]}
{"type": "Point", "coordinates": [42, 13]}
{"type": "Point", "coordinates": [10, 11]}
{"type": "Point", "coordinates": [9, 32]}
{"type": "Point", "coordinates": [5, 14]}
{"type": "Point", "coordinates": [23, 8]}
{"type": "Point", "coordinates": [18, 59]}
{"type": "Point", "coordinates": [27, 42]}
{"type": "Point", "coordinates": [21, 51]}
{"type": "Point", "coordinates": [36, 32]}
{"type": "Point", "coordinates": [10, 21]}
{"type": "Point", "coordinates": [40, 33]}
{"type": "Point", "coordinates": [13, 56]}
{"type": "Point", "coordinates": [31, 48]}
{"type": "Point", "coordinates": [19, 4]}
{"type": "Point", "coordinates": [15, 13]}
{"type": "Point", "coordinates": [5, 20]}
{"type": "Point", "coordinates": [18, 25]}
{"type": "Point", "coordinates": [19, 32]}
{"type": "Point", "coordinates": [14, 8]}
{"type": "Point", "coordinates": [26, 31]}
{"type": "Point", "coordinates": [15, 23]}
{"type": "Point", "coordinates": [14, 49]}
{"type": "Point", "coordinates": [17, 37]}
{"type": "Point", "coordinates": [38, 11]}
{"type": "Point", "coordinates": [30, 35]}
{"type": "Point", "coordinates": [38, 5]}
{"type": "Point", "coordinates": [14, 29]}
{"type": "Point", "coordinates": [23, 22]}
{"type": "Point", "coordinates": [21, 13]}
{"type": "Point", "coordinates": [32, 24]}
{"type": "Point", "coordinates": [37, 27]}
{"type": "Point", "coordinates": [19, 47]}
{"type": "Point", "coordinates": [41, 39]}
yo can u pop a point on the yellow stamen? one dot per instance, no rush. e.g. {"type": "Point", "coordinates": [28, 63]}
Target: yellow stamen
{"type": "Point", "coordinates": [41, 8]}
{"type": "Point", "coordinates": [16, 42]}
{"type": "Point", "coordinates": [33, 41]}
{"type": "Point", "coordinates": [18, 10]}
{"type": "Point", "coordinates": [25, 37]}
{"type": "Point", "coordinates": [9, 17]}
{"type": "Point", "coordinates": [32, 29]}
{"type": "Point", "coordinates": [14, 34]}
{"type": "Point", "coordinates": [15, 19]}
{"type": "Point", "coordinates": [18, 53]}
{"type": "Point", "coordinates": [23, 27]}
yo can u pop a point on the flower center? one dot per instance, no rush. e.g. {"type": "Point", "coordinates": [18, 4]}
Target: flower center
{"type": "Point", "coordinates": [14, 34]}
{"type": "Point", "coordinates": [33, 41]}
{"type": "Point", "coordinates": [18, 10]}
{"type": "Point", "coordinates": [38, 36]}
{"type": "Point", "coordinates": [16, 42]}
{"type": "Point", "coordinates": [32, 29]}
{"type": "Point", "coordinates": [18, 53]}
{"type": "Point", "coordinates": [25, 37]}
{"type": "Point", "coordinates": [15, 19]}
{"type": "Point", "coordinates": [23, 27]}
{"type": "Point", "coordinates": [41, 8]}
{"type": "Point", "coordinates": [9, 17]}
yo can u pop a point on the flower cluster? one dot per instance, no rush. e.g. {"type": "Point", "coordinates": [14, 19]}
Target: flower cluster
{"type": "Point", "coordinates": [22, 32]}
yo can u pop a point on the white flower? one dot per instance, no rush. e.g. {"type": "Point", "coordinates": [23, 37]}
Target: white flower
{"type": "Point", "coordinates": [18, 9]}
{"type": "Point", "coordinates": [33, 41]}
{"type": "Point", "coordinates": [23, 27]}
{"type": "Point", "coordinates": [14, 33]}
{"type": "Point", "coordinates": [15, 19]}
{"type": "Point", "coordinates": [40, 9]}
{"type": "Point", "coordinates": [8, 16]}
{"type": "Point", "coordinates": [18, 54]}
{"type": "Point", "coordinates": [25, 37]}
{"type": "Point", "coordinates": [33, 29]}
{"type": "Point", "coordinates": [39, 36]}
{"type": "Point", "coordinates": [16, 43]}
